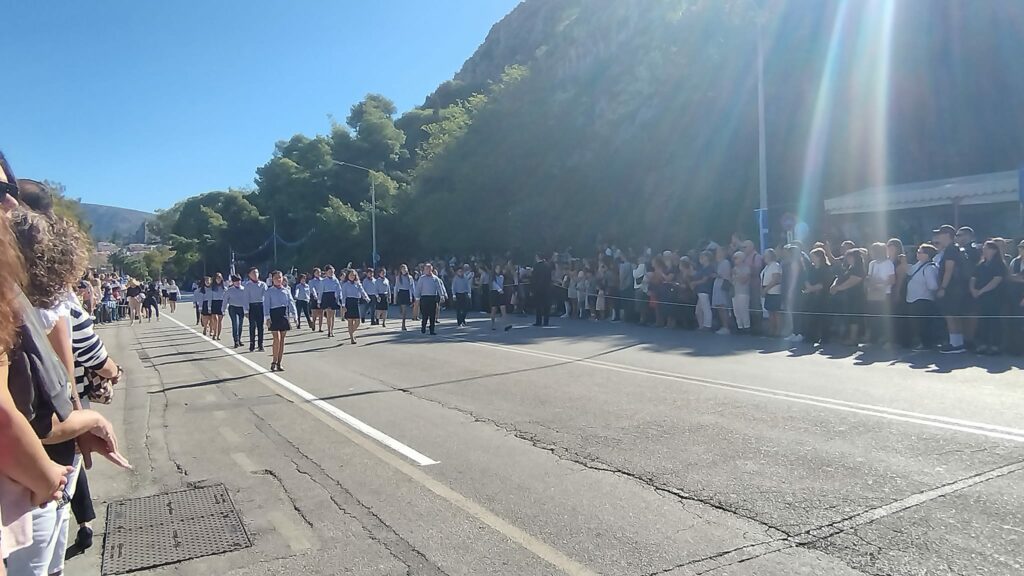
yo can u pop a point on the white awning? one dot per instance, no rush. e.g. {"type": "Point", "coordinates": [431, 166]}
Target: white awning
{"type": "Point", "coordinates": [979, 189]}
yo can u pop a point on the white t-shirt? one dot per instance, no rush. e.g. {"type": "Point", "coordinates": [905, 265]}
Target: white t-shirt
{"type": "Point", "coordinates": [879, 274]}
{"type": "Point", "coordinates": [770, 270]}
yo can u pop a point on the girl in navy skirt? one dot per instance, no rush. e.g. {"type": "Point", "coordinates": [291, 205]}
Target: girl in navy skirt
{"type": "Point", "coordinates": [353, 293]}
{"type": "Point", "coordinates": [204, 302]}
{"type": "Point", "coordinates": [329, 303]}
{"type": "Point", "coordinates": [279, 308]}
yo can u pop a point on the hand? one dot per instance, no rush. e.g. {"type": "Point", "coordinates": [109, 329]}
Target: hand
{"type": "Point", "coordinates": [975, 293]}
{"type": "Point", "coordinates": [90, 442]}
{"type": "Point", "coordinates": [57, 480]}
{"type": "Point", "coordinates": [941, 293]}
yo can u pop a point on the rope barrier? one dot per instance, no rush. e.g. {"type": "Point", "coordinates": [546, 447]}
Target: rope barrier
{"type": "Point", "coordinates": [799, 312]}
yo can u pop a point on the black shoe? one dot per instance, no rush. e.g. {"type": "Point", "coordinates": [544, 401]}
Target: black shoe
{"type": "Point", "coordinates": [949, 349]}
{"type": "Point", "coordinates": [432, 333]}
{"type": "Point", "coordinates": [260, 349]}
{"type": "Point", "coordinates": [84, 539]}
{"type": "Point", "coordinates": [507, 328]}
{"type": "Point", "coordinates": [252, 348]}
{"type": "Point", "coordinates": [423, 330]}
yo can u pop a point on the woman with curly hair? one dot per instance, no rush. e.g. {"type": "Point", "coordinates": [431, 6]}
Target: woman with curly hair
{"type": "Point", "coordinates": [28, 478]}
{"type": "Point", "coordinates": [54, 250]}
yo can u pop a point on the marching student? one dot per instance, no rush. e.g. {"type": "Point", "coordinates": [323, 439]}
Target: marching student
{"type": "Point", "coordinates": [237, 301]}
{"type": "Point", "coordinates": [216, 295]}
{"type": "Point", "coordinates": [405, 292]}
{"type": "Point", "coordinates": [429, 293]}
{"type": "Point", "coordinates": [279, 306]}
{"type": "Point", "coordinates": [330, 289]}
{"type": "Point", "coordinates": [462, 289]}
{"type": "Point", "coordinates": [354, 295]}
{"type": "Point", "coordinates": [498, 298]}
{"type": "Point", "coordinates": [172, 294]}
{"type": "Point", "coordinates": [152, 301]}
{"type": "Point", "coordinates": [254, 291]}
{"type": "Point", "coordinates": [302, 296]}
{"type": "Point", "coordinates": [315, 288]}
{"type": "Point", "coordinates": [383, 287]}
{"type": "Point", "coordinates": [204, 302]}
{"type": "Point", "coordinates": [370, 287]}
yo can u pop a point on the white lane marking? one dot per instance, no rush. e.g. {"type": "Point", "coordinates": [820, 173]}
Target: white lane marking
{"type": "Point", "coordinates": [911, 501]}
{"type": "Point", "coordinates": [291, 533]}
{"type": "Point", "coordinates": [334, 411]}
{"type": "Point", "coordinates": [229, 435]}
{"type": "Point", "coordinates": [243, 461]}
{"type": "Point", "coordinates": [534, 545]}
{"type": "Point", "coordinates": [977, 428]}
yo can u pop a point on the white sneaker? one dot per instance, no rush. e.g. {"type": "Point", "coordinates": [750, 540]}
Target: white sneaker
{"type": "Point", "coordinates": [723, 332]}
{"type": "Point", "coordinates": [789, 338]}
{"type": "Point", "coordinates": [796, 338]}
{"type": "Point", "coordinates": [564, 316]}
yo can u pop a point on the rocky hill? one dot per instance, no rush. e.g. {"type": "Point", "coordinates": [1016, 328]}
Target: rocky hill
{"type": "Point", "coordinates": [108, 222]}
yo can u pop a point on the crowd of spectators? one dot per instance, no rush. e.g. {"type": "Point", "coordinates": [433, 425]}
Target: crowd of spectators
{"type": "Point", "coordinates": [954, 294]}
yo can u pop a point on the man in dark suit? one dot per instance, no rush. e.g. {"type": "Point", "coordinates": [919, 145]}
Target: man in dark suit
{"type": "Point", "coordinates": [541, 281]}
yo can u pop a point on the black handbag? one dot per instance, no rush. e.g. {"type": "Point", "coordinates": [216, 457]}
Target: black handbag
{"type": "Point", "coordinates": [38, 380]}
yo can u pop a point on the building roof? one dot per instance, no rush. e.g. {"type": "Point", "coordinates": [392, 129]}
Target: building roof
{"type": "Point", "coordinates": [978, 189]}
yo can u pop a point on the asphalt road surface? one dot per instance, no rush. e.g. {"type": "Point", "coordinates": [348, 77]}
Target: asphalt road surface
{"type": "Point", "coordinates": [582, 448]}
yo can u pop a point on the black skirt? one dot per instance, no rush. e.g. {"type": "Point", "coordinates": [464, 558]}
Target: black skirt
{"type": "Point", "coordinates": [172, 296]}
{"type": "Point", "coordinates": [382, 302]}
{"type": "Point", "coordinates": [206, 309]}
{"type": "Point", "coordinates": [352, 308]}
{"type": "Point", "coordinates": [279, 320]}
{"type": "Point", "coordinates": [217, 308]}
{"type": "Point", "coordinates": [404, 298]}
{"type": "Point", "coordinates": [314, 304]}
{"type": "Point", "coordinates": [329, 302]}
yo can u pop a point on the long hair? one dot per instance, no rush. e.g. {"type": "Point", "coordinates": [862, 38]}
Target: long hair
{"type": "Point", "coordinates": [55, 254]}
{"type": "Point", "coordinates": [12, 268]}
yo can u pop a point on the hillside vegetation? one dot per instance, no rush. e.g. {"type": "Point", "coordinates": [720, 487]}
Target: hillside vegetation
{"type": "Point", "coordinates": [636, 122]}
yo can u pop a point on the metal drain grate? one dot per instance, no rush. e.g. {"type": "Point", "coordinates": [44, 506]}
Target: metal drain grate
{"type": "Point", "coordinates": [168, 528]}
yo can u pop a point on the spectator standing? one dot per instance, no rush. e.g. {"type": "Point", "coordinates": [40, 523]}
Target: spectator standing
{"type": "Point", "coordinates": [880, 281]}
{"type": "Point", "coordinates": [721, 289]}
{"type": "Point", "coordinates": [922, 284]}
{"type": "Point", "coordinates": [848, 296]}
{"type": "Point", "coordinates": [703, 284]}
{"type": "Point", "coordinates": [741, 292]}
{"type": "Point", "coordinates": [816, 286]}
{"type": "Point", "coordinates": [986, 287]}
{"type": "Point", "coordinates": [771, 291]}
{"type": "Point", "coordinates": [953, 280]}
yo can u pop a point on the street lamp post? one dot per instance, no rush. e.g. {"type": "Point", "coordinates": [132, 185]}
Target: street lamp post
{"type": "Point", "coordinates": [373, 207]}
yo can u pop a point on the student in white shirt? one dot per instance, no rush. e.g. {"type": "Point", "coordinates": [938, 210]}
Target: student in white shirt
{"type": "Point", "coordinates": [880, 281]}
{"type": "Point", "coordinates": [922, 284]}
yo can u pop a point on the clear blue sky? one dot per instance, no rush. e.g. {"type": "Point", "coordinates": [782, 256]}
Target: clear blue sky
{"type": "Point", "coordinates": [140, 103]}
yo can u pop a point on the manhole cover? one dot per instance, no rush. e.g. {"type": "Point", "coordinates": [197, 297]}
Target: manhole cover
{"type": "Point", "coordinates": [168, 528]}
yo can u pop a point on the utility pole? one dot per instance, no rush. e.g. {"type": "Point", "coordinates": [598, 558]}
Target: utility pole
{"type": "Point", "coordinates": [373, 208]}
{"type": "Point", "coordinates": [762, 160]}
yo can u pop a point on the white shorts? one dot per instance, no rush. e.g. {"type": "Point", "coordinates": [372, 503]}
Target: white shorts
{"type": "Point", "coordinates": [49, 536]}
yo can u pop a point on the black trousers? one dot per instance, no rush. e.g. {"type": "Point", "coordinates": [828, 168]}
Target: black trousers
{"type": "Point", "coordinates": [302, 307]}
{"type": "Point", "coordinates": [255, 325]}
{"type": "Point", "coordinates": [926, 315]}
{"type": "Point", "coordinates": [543, 305]}
{"type": "Point", "coordinates": [81, 502]}
{"type": "Point", "coordinates": [462, 304]}
{"type": "Point", "coordinates": [428, 312]}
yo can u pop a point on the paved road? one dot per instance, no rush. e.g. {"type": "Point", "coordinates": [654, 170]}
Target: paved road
{"type": "Point", "coordinates": [582, 449]}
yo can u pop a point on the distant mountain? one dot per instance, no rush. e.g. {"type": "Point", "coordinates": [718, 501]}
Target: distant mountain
{"type": "Point", "coordinates": [108, 221]}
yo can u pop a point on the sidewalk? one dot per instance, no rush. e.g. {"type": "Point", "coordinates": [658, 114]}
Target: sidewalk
{"type": "Point", "coordinates": [182, 426]}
